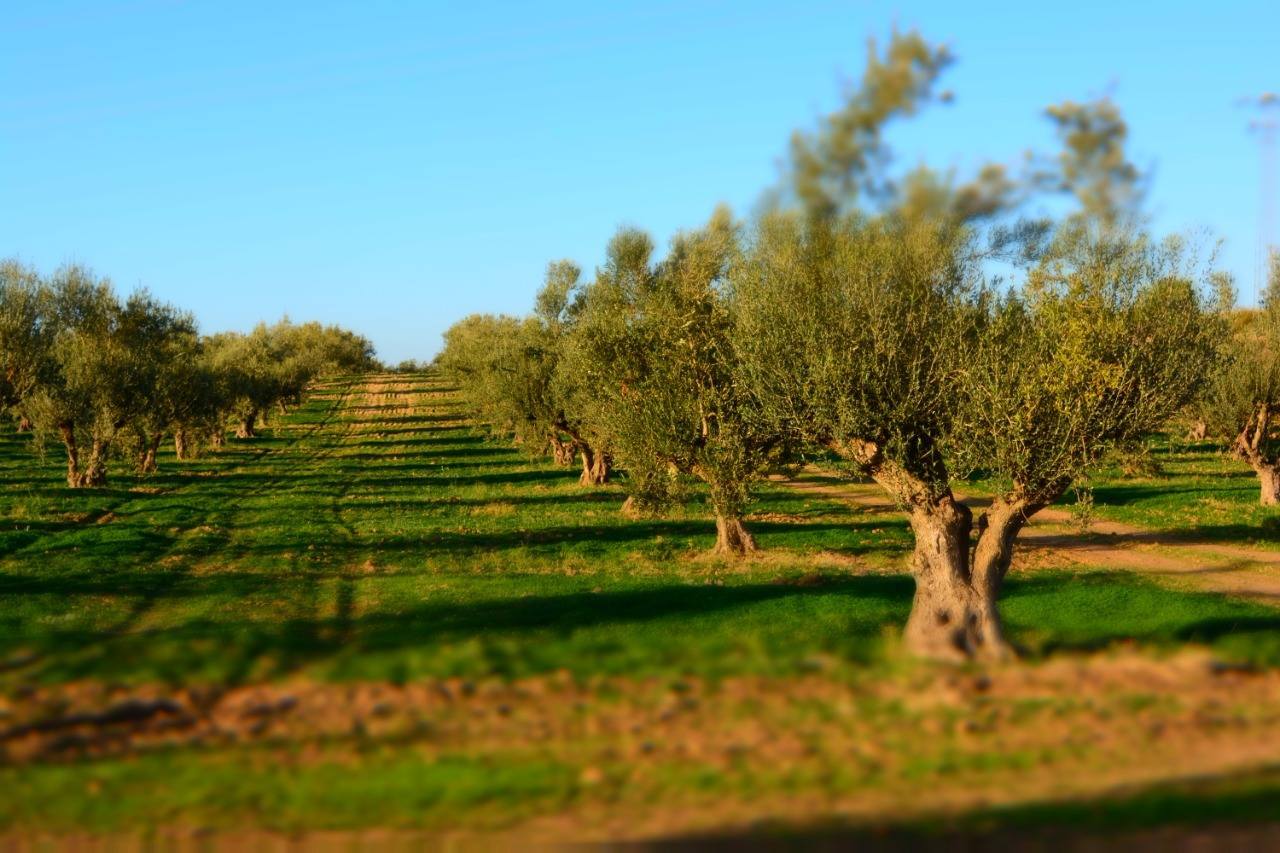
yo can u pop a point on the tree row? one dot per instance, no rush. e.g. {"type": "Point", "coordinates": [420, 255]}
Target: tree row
{"type": "Point", "coordinates": [920, 329]}
{"type": "Point", "coordinates": [111, 379]}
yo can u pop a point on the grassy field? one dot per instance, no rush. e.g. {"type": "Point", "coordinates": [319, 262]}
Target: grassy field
{"type": "Point", "coordinates": [373, 615]}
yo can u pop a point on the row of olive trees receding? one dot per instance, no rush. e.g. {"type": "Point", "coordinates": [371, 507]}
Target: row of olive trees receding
{"type": "Point", "coordinates": [859, 315]}
{"type": "Point", "coordinates": [877, 339]}
{"type": "Point", "coordinates": [108, 378]}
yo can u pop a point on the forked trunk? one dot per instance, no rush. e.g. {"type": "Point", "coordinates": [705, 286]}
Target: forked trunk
{"type": "Point", "coordinates": [1252, 445]}
{"type": "Point", "coordinates": [951, 617]}
{"type": "Point", "coordinates": [954, 615]}
{"type": "Point", "coordinates": [595, 466]}
{"type": "Point", "coordinates": [150, 448]}
{"type": "Point", "coordinates": [24, 423]}
{"type": "Point", "coordinates": [245, 429]}
{"type": "Point", "coordinates": [561, 451]}
{"type": "Point", "coordinates": [68, 433]}
{"type": "Point", "coordinates": [956, 612]}
{"type": "Point", "coordinates": [732, 537]}
{"type": "Point", "coordinates": [94, 473]}
{"type": "Point", "coordinates": [1199, 431]}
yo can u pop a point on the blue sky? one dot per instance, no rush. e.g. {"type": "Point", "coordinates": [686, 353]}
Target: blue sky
{"type": "Point", "coordinates": [395, 166]}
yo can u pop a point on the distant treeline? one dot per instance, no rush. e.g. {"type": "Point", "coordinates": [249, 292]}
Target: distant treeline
{"type": "Point", "coordinates": [111, 378]}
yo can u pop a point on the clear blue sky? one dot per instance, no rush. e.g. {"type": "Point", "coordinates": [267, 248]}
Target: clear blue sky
{"type": "Point", "coordinates": [395, 166]}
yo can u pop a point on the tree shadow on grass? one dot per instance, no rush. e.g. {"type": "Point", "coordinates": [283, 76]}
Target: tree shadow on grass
{"type": "Point", "coordinates": [1123, 494]}
{"type": "Point", "coordinates": [1207, 813]}
{"type": "Point", "coordinates": [300, 636]}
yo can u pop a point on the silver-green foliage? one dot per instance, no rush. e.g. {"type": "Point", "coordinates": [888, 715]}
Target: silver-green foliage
{"type": "Point", "coordinates": [656, 341]}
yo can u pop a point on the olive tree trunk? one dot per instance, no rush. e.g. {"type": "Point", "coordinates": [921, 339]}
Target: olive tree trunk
{"type": "Point", "coordinates": [595, 466]}
{"type": "Point", "coordinates": [953, 616]}
{"type": "Point", "coordinates": [732, 537]}
{"type": "Point", "coordinates": [562, 451]}
{"type": "Point", "coordinates": [1269, 479]}
{"type": "Point", "coordinates": [68, 433]}
{"type": "Point", "coordinates": [955, 613]}
{"type": "Point", "coordinates": [1252, 447]}
{"type": "Point", "coordinates": [182, 448]}
{"type": "Point", "coordinates": [24, 423]}
{"type": "Point", "coordinates": [94, 473]}
{"type": "Point", "coordinates": [246, 427]}
{"type": "Point", "coordinates": [959, 576]}
{"type": "Point", "coordinates": [150, 448]}
{"type": "Point", "coordinates": [218, 438]}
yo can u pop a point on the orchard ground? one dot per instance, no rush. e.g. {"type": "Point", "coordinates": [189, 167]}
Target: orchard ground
{"type": "Point", "coordinates": [374, 617]}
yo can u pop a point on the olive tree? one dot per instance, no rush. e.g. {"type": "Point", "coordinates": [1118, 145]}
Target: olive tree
{"type": "Point", "coordinates": [879, 339]}
{"type": "Point", "coordinates": [1106, 339]}
{"type": "Point", "coordinates": [176, 383]}
{"type": "Point", "coordinates": [1242, 402]}
{"type": "Point", "coordinates": [26, 334]}
{"type": "Point", "coordinates": [513, 376]}
{"type": "Point", "coordinates": [87, 388]}
{"type": "Point", "coordinates": [656, 343]}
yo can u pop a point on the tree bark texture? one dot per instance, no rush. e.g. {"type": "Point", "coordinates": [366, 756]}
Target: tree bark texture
{"type": "Point", "coordinates": [595, 466]}
{"type": "Point", "coordinates": [732, 537]}
{"type": "Point", "coordinates": [68, 433]}
{"type": "Point", "coordinates": [246, 427]}
{"type": "Point", "coordinates": [955, 613]}
{"type": "Point", "coordinates": [1252, 446]}
{"type": "Point", "coordinates": [181, 444]}
{"type": "Point", "coordinates": [150, 448]}
{"type": "Point", "coordinates": [562, 451]}
{"type": "Point", "coordinates": [94, 472]}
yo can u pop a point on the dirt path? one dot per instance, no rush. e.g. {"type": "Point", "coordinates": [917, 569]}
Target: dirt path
{"type": "Point", "coordinates": [1051, 538]}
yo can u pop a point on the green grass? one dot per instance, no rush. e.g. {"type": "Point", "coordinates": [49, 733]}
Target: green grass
{"type": "Point", "coordinates": [391, 789]}
{"type": "Point", "coordinates": [1198, 493]}
{"type": "Point", "coordinates": [358, 542]}
{"type": "Point", "coordinates": [417, 548]}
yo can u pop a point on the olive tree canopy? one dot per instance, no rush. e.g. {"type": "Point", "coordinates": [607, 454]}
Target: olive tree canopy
{"type": "Point", "coordinates": [513, 375]}
{"type": "Point", "coordinates": [656, 342]}
{"type": "Point", "coordinates": [880, 339]}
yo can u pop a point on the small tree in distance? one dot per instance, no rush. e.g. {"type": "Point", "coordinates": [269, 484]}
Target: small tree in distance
{"type": "Point", "coordinates": [657, 344]}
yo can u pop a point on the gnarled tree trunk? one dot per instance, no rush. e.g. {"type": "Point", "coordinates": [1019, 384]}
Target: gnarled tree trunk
{"type": "Point", "coordinates": [562, 451]}
{"type": "Point", "coordinates": [218, 438]}
{"type": "Point", "coordinates": [951, 617]}
{"type": "Point", "coordinates": [24, 423]}
{"type": "Point", "coordinates": [94, 473]}
{"type": "Point", "coordinates": [181, 444]}
{"type": "Point", "coordinates": [1199, 431]}
{"type": "Point", "coordinates": [732, 537]}
{"type": "Point", "coordinates": [245, 429]}
{"type": "Point", "coordinates": [68, 433]}
{"type": "Point", "coordinates": [147, 459]}
{"type": "Point", "coordinates": [955, 613]}
{"type": "Point", "coordinates": [595, 466]}
{"type": "Point", "coordinates": [1269, 478]}
{"type": "Point", "coordinates": [1252, 447]}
